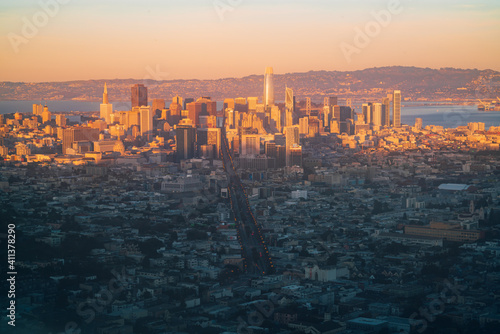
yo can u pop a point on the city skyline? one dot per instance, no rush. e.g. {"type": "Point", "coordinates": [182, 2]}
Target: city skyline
{"type": "Point", "coordinates": [44, 42]}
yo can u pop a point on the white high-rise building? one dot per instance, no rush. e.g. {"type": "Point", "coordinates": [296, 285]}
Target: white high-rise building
{"type": "Point", "coordinates": [106, 107]}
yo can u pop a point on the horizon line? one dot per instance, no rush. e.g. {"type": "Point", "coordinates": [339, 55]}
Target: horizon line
{"type": "Point", "coordinates": [250, 75]}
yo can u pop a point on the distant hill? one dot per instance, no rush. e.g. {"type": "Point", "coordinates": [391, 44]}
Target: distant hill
{"type": "Point", "coordinates": [369, 84]}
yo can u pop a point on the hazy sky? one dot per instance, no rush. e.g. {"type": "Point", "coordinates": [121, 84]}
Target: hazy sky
{"type": "Point", "coordinates": [209, 39]}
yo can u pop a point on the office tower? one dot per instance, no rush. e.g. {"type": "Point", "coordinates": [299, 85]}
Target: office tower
{"type": "Point", "coordinates": [377, 114]}
{"type": "Point", "coordinates": [134, 117]}
{"type": "Point", "coordinates": [346, 127]}
{"type": "Point", "coordinates": [252, 103]}
{"type": "Point", "coordinates": [268, 97]}
{"type": "Point", "coordinates": [250, 144]}
{"type": "Point", "coordinates": [209, 137]}
{"type": "Point", "coordinates": [308, 106]}
{"type": "Point", "coordinates": [292, 138]}
{"type": "Point", "coordinates": [270, 149]}
{"type": "Point", "coordinates": [46, 115]}
{"type": "Point", "coordinates": [212, 121]}
{"type": "Point", "coordinates": [314, 127]}
{"type": "Point", "coordinates": [123, 119]}
{"type": "Point", "coordinates": [37, 109]}
{"type": "Point", "coordinates": [288, 118]}
{"type": "Point", "coordinates": [240, 100]}
{"type": "Point", "coordinates": [185, 137]}
{"type": "Point", "coordinates": [304, 125]}
{"type": "Point", "coordinates": [76, 134]}
{"type": "Point", "coordinates": [61, 120]}
{"type": "Point", "coordinates": [360, 118]}
{"type": "Point", "coordinates": [260, 110]}
{"type": "Point", "coordinates": [165, 113]}
{"type": "Point", "coordinates": [396, 109]}
{"type": "Point", "coordinates": [386, 111]}
{"type": "Point", "coordinates": [158, 106]}
{"type": "Point", "coordinates": [334, 126]}
{"type": "Point", "coordinates": [330, 101]}
{"type": "Point", "coordinates": [139, 95]}
{"type": "Point", "coordinates": [106, 107]}
{"type": "Point", "coordinates": [211, 108]}
{"type": "Point", "coordinates": [194, 111]}
{"type": "Point", "coordinates": [177, 99]}
{"type": "Point", "coordinates": [276, 117]}
{"type": "Point", "coordinates": [146, 119]}
{"type": "Point", "coordinates": [295, 155]}
{"type": "Point", "coordinates": [174, 114]}
{"type": "Point", "coordinates": [187, 100]}
{"type": "Point", "coordinates": [228, 103]}
{"type": "Point", "coordinates": [327, 115]}
{"type": "Point", "coordinates": [289, 106]}
{"type": "Point", "coordinates": [229, 113]}
{"type": "Point", "coordinates": [367, 112]}
{"type": "Point", "coordinates": [346, 113]}
{"type": "Point", "coordinates": [240, 105]}
{"type": "Point", "coordinates": [418, 123]}
{"type": "Point", "coordinates": [205, 101]}
{"type": "Point", "coordinates": [280, 156]}
{"type": "Point", "coordinates": [336, 112]}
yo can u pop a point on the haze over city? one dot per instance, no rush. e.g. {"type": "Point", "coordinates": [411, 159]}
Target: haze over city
{"type": "Point", "coordinates": [71, 40]}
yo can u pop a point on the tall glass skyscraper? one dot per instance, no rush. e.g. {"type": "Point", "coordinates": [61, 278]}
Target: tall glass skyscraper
{"type": "Point", "coordinates": [139, 95]}
{"type": "Point", "coordinates": [268, 98]}
{"type": "Point", "coordinates": [396, 109]}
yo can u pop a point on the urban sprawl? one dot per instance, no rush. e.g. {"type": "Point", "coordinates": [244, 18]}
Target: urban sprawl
{"type": "Point", "coordinates": [256, 217]}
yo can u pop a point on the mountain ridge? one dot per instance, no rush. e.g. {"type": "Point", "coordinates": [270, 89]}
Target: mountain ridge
{"type": "Point", "coordinates": [416, 83]}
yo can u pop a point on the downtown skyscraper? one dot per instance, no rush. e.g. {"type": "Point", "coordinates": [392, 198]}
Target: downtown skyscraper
{"type": "Point", "coordinates": [139, 95]}
{"type": "Point", "coordinates": [106, 108]}
{"type": "Point", "coordinates": [289, 106]}
{"type": "Point", "coordinates": [268, 97]}
{"type": "Point", "coordinates": [396, 109]}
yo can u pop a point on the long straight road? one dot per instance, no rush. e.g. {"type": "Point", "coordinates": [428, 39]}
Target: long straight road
{"type": "Point", "coordinates": [253, 247]}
